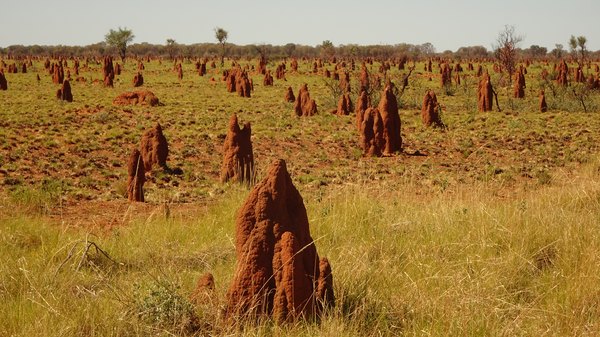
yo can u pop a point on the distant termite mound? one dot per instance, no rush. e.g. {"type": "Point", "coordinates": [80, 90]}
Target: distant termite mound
{"type": "Point", "coordinates": [136, 177]}
{"type": "Point", "coordinates": [141, 97]}
{"type": "Point", "coordinates": [345, 106]}
{"type": "Point", "coordinates": [304, 106]}
{"type": "Point", "coordinates": [154, 148]}
{"type": "Point", "coordinates": [238, 158]}
{"type": "Point", "coordinates": [563, 73]}
{"type": "Point", "coordinates": [289, 95]}
{"type": "Point", "coordinates": [278, 273]}
{"type": "Point", "coordinates": [363, 103]}
{"type": "Point", "coordinates": [485, 93]}
{"type": "Point", "coordinates": [108, 71]}
{"type": "Point", "coordinates": [3, 82]}
{"type": "Point", "coordinates": [519, 85]}
{"type": "Point", "coordinates": [138, 80]}
{"type": "Point", "coordinates": [268, 79]}
{"type": "Point", "coordinates": [543, 105]}
{"type": "Point", "coordinates": [64, 93]}
{"type": "Point", "coordinates": [429, 110]}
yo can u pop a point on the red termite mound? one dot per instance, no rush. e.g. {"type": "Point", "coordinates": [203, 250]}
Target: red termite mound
{"type": "Point", "coordinates": [563, 71]}
{"type": "Point", "coordinates": [543, 105]}
{"type": "Point", "coordinates": [138, 80]}
{"type": "Point", "coordinates": [108, 71]}
{"type": "Point", "coordinates": [58, 74]}
{"type": "Point", "coordinates": [289, 95]}
{"type": "Point", "coordinates": [280, 72]}
{"type": "Point", "coordinates": [446, 72]}
{"type": "Point", "coordinates": [345, 105]}
{"type": "Point", "coordinates": [388, 108]}
{"type": "Point", "coordinates": [304, 106]}
{"type": "Point", "coordinates": [154, 148]}
{"type": "Point", "coordinates": [364, 78]}
{"type": "Point", "coordinates": [485, 94]}
{"type": "Point", "coordinates": [294, 65]}
{"type": "Point", "coordinates": [429, 110]}
{"type": "Point", "coordinates": [371, 133]}
{"type": "Point", "coordinates": [142, 97]}
{"type": "Point", "coordinates": [268, 79]}
{"type": "Point", "coordinates": [362, 105]}
{"type": "Point", "coordinates": [519, 86]}
{"type": "Point", "coordinates": [3, 82]}
{"type": "Point", "coordinates": [278, 271]}
{"type": "Point", "coordinates": [64, 93]}
{"type": "Point", "coordinates": [238, 158]}
{"type": "Point", "coordinates": [136, 177]}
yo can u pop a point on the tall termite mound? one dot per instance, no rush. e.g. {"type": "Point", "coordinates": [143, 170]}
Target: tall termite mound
{"type": "Point", "coordinates": [238, 158]}
{"type": "Point", "coordinates": [304, 106]}
{"type": "Point", "coordinates": [278, 273]}
{"type": "Point", "coordinates": [363, 103]}
{"type": "Point", "coordinates": [429, 110]}
{"type": "Point", "coordinates": [3, 82]}
{"type": "Point", "coordinates": [108, 71]}
{"type": "Point", "coordinates": [485, 93]}
{"type": "Point", "coordinates": [154, 148]}
{"type": "Point", "coordinates": [543, 105]}
{"type": "Point", "coordinates": [519, 85]}
{"type": "Point", "coordinates": [388, 108]}
{"type": "Point", "coordinates": [563, 73]}
{"type": "Point", "coordinates": [136, 177]}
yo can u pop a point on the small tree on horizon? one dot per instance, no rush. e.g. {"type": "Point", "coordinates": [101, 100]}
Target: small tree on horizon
{"type": "Point", "coordinates": [580, 42]}
{"type": "Point", "coordinates": [221, 35]}
{"type": "Point", "coordinates": [119, 39]}
{"type": "Point", "coordinates": [505, 49]}
{"type": "Point", "coordinates": [171, 48]}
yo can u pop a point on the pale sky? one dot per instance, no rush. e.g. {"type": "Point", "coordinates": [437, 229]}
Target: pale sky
{"type": "Point", "coordinates": [447, 24]}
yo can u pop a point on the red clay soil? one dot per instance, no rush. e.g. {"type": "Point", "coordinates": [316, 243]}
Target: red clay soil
{"type": "Point", "coordinates": [388, 109]}
{"type": "Point", "coordinates": [278, 272]}
{"type": "Point", "coordinates": [3, 82]}
{"type": "Point", "coordinates": [364, 102]}
{"type": "Point", "coordinates": [429, 110]}
{"type": "Point", "coordinates": [138, 80]}
{"type": "Point", "coordinates": [154, 148]}
{"type": "Point", "coordinates": [345, 106]}
{"type": "Point", "coordinates": [371, 133]}
{"type": "Point", "coordinates": [543, 105]}
{"type": "Point", "coordinates": [485, 94]}
{"type": "Point", "coordinates": [141, 97]}
{"type": "Point", "coordinates": [304, 105]}
{"type": "Point", "coordinates": [289, 95]}
{"type": "Point", "coordinates": [238, 157]}
{"type": "Point", "coordinates": [136, 177]}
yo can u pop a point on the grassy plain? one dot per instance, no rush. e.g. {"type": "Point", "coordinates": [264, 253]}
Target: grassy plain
{"type": "Point", "coordinates": [492, 231]}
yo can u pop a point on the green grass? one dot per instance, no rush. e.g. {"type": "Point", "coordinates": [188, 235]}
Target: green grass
{"type": "Point", "coordinates": [463, 262]}
{"type": "Point", "coordinates": [493, 232]}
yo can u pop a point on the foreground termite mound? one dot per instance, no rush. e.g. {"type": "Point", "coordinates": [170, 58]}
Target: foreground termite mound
{"type": "Point", "coordinates": [141, 97]}
{"type": "Point", "coordinates": [238, 159]}
{"type": "Point", "coordinates": [279, 273]}
{"type": "Point", "coordinates": [154, 148]}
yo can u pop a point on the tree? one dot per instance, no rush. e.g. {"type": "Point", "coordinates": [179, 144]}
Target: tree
{"type": "Point", "coordinates": [327, 49]}
{"type": "Point", "coordinates": [557, 52]}
{"type": "Point", "coordinates": [289, 49]}
{"type": "Point", "coordinates": [171, 48]}
{"type": "Point", "coordinates": [119, 39]}
{"type": "Point", "coordinates": [536, 51]}
{"type": "Point", "coordinates": [580, 42]}
{"type": "Point", "coordinates": [506, 49]}
{"type": "Point", "coordinates": [221, 35]}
